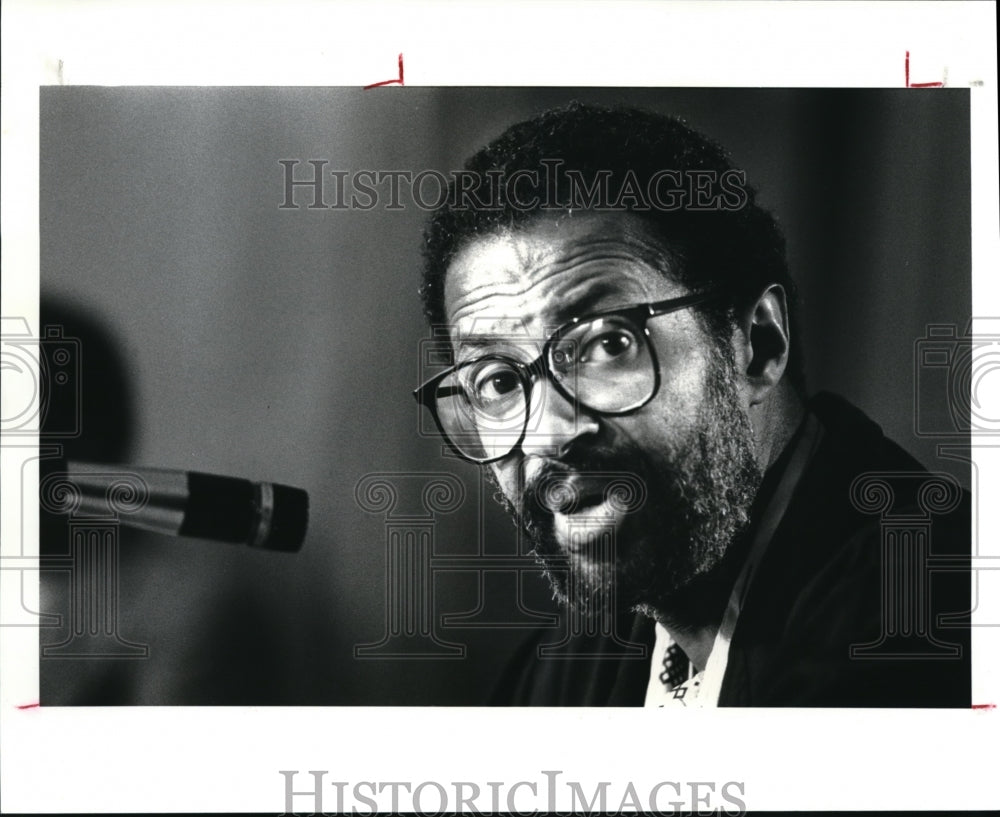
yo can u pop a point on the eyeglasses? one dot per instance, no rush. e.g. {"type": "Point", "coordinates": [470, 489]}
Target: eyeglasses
{"type": "Point", "coordinates": [603, 362]}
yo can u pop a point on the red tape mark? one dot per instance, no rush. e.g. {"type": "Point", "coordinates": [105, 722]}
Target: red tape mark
{"type": "Point", "coordinates": [397, 81]}
{"type": "Point", "coordinates": [984, 706]}
{"type": "Point", "coordinates": [29, 706]}
{"type": "Point", "coordinates": [918, 84]}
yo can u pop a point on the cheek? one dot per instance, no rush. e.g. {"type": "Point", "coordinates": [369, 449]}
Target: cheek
{"type": "Point", "coordinates": [505, 473]}
{"type": "Point", "coordinates": [683, 392]}
{"type": "Point", "coordinates": [684, 355]}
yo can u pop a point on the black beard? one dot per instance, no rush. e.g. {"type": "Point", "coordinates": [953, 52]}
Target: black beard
{"type": "Point", "coordinates": [667, 557]}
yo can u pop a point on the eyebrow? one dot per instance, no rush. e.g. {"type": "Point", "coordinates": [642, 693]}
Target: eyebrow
{"type": "Point", "coordinates": [597, 298]}
{"type": "Point", "coordinates": [594, 299]}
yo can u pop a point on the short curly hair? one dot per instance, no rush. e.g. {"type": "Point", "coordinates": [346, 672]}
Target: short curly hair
{"type": "Point", "coordinates": [738, 249]}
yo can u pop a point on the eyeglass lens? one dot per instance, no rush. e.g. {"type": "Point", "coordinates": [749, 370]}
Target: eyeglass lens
{"type": "Point", "coordinates": [604, 364]}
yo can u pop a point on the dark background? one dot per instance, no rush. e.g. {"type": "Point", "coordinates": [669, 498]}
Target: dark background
{"type": "Point", "coordinates": [220, 333]}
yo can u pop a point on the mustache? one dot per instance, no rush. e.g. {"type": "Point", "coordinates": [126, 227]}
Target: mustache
{"type": "Point", "coordinates": [571, 482]}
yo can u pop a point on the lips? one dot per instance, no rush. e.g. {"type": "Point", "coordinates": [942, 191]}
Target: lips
{"type": "Point", "coordinates": [568, 493]}
{"type": "Point", "coordinates": [582, 510]}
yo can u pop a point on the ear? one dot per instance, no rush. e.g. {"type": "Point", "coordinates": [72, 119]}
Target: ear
{"type": "Point", "coordinates": [766, 339]}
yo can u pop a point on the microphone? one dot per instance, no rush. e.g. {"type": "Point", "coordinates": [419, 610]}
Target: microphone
{"type": "Point", "coordinates": [183, 503]}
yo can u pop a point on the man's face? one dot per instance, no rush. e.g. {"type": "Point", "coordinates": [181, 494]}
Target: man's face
{"type": "Point", "coordinates": [689, 450]}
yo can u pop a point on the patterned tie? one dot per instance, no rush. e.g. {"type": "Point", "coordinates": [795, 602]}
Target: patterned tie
{"type": "Point", "coordinates": [676, 667]}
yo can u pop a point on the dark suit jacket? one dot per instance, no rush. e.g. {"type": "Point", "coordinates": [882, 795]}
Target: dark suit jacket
{"type": "Point", "coordinates": [859, 601]}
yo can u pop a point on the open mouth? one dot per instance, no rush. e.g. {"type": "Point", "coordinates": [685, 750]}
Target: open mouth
{"type": "Point", "coordinates": [569, 494]}
{"type": "Point", "coordinates": [582, 514]}
{"type": "Point", "coordinates": [584, 511]}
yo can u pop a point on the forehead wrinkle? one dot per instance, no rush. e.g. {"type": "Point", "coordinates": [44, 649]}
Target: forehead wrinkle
{"type": "Point", "coordinates": [522, 267]}
{"type": "Point", "coordinates": [626, 244]}
{"type": "Point", "coordinates": [523, 282]}
{"type": "Point", "coordinates": [631, 241]}
{"type": "Point", "coordinates": [579, 292]}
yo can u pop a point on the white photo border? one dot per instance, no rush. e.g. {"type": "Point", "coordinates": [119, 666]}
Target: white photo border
{"type": "Point", "coordinates": [228, 759]}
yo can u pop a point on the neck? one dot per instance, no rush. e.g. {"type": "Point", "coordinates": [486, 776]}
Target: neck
{"type": "Point", "coordinates": [696, 642]}
{"type": "Point", "coordinates": [693, 614]}
{"type": "Point", "coordinates": [775, 422]}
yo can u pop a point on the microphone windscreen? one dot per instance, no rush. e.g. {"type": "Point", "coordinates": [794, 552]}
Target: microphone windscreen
{"type": "Point", "coordinates": [289, 520]}
{"type": "Point", "coordinates": [262, 514]}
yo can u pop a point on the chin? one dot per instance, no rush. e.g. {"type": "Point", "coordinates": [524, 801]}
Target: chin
{"type": "Point", "coordinates": [612, 568]}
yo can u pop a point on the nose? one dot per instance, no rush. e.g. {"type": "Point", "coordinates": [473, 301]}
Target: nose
{"type": "Point", "coordinates": [554, 422]}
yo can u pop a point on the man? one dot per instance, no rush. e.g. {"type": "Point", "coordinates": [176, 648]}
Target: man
{"type": "Point", "coordinates": [627, 366]}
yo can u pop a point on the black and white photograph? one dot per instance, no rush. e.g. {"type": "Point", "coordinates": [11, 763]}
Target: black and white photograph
{"type": "Point", "coordinates": [496, 400]}
{"type": "Point", "coordinates": [244, 295]}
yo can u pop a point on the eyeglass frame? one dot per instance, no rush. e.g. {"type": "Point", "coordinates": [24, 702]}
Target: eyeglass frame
{"type": "Point", "coordinates": [540, 368]}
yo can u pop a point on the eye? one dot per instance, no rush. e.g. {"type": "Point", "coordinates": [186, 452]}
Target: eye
{"type": "Point", "coordinates": [610, 345]}
{"type": "Point", "coordinates": [494, 381]}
